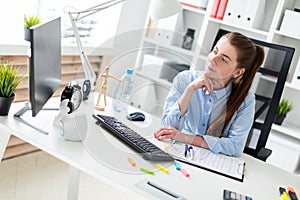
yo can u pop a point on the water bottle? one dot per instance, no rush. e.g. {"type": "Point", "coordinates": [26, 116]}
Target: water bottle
{"type": "Point", "coordinates": [124, 90]}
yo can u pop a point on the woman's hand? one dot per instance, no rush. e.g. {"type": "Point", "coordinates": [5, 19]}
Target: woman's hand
{"type": "Point", "coordinates": [205, 81]}
{"type": "Point", "coordinates": [167, 132]}
{"type": "Point", "coordinates": [202, 81]}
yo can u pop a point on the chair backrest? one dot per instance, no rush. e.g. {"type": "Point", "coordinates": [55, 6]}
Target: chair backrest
{"type": "Point", "coordinates": [271, 79]}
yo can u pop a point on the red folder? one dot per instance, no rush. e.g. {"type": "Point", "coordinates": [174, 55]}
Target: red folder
{"type": "Point", "coordinates": [214, 9]}
{"type": "Point", "coordinates": [190, 5]}
{"type": "Point", "coordinates": [221, 9]}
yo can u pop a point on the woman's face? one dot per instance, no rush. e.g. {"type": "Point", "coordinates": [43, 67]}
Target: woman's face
{"type": "Point", "coordinates": [222, 62]}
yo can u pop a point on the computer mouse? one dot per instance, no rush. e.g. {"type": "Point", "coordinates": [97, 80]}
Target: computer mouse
{"type": "Point", "coordinates": [136, 116]}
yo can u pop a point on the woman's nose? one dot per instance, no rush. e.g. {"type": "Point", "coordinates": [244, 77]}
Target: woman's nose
{"type": "Point", "coordinates": [214, 58]}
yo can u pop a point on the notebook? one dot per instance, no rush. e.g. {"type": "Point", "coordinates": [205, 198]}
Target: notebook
{"type": "Point", "coordinates": [231, 167]}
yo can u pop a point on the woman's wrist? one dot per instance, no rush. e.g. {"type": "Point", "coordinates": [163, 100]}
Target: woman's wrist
{"type": "Point", "coordinates": [191, 139]}
{"type": "Point", "coordinates": [191, 87]}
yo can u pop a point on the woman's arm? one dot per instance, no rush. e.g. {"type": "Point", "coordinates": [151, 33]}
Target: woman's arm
{"type": "Point", "coordinates": [200, 82]}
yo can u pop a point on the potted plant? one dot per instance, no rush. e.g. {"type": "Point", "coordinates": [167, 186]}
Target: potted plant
{"type": "Point", "coordinates": [283, 108]}
{"type": "Point", "coordinates": [9, 80]}
{"type": "Point", "coordinates": [30, 21]}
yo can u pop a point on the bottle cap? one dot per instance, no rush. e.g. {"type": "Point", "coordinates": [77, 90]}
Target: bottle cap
{"type": "Point", "coordinates": [129, 71]}
{"type": "Point", "coordinates": [190, 31]}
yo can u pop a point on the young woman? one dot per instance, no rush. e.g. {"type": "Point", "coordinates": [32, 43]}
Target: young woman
{"type": "Point", "coordinates": [214, 109]}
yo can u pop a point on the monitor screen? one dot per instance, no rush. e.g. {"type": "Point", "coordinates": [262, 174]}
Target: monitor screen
{"type": "Point", "coordinates": [44, 63]}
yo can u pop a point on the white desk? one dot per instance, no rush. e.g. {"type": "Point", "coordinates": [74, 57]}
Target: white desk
{"type": "Point", "coordinates": [106, 159]}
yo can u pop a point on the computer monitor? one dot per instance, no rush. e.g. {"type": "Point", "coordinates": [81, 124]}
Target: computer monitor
{"type": "Point", "coordinates": [44, 67]}
{"type": "Point", "coordinates": [44, 63]}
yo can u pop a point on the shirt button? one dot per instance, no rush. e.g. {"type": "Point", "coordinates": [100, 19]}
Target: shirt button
{"type": "Point", "coordinates": [203, 124]}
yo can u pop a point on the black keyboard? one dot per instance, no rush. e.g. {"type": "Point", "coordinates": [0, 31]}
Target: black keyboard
{"type": "Point", "coordinates": [133, 139]}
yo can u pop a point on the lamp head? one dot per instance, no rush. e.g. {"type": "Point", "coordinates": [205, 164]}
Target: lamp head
{"type": "Point", "coordinates": [164, 8]}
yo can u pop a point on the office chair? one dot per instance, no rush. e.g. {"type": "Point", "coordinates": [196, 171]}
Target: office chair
{"type": "Point", "coordinates": [267, 96]}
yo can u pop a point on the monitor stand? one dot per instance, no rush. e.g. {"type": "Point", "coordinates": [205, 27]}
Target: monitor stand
{"type": "Point", "coordinates": [27, 106]}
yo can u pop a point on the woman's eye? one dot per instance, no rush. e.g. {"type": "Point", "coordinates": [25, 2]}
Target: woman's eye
{"type": "Point", "coordinates": [224, 60]}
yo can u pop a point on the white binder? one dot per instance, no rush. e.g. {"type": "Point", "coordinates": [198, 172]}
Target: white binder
{"type": "Point", "coordinates": [230, 11]}
{"type": "Point", "coordinates": [165, 29]}
{"type": "Point", "coordinates": [253, 15]}
{"type": "Point", "coordinates": [240, 6]}
{"type": "Point", "coordinates": [246, 13]}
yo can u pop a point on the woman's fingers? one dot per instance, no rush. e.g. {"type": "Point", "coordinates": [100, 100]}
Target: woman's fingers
{"type": "Point", "coordinates": [209, 86]}
{"type": "Point", "coordinates": [165, 133]}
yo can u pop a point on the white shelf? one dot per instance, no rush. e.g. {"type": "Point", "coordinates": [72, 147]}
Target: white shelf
{"type": "Point", "coordinates": [291, 86]}
{"type": "Point", "coordinates": [253, 30]}
{"type": "Point", "coordinates": [195, 10]}
{"type": "Point", "coordinates": [280, 33]}
{"type": "Point", "coordinates": [287, 84]}
{"type": "Point", "coordinates": [156, 80]}
{"type": "Point", "coordinates": [287, 130]}
{"type": "Point", "coordinates": [171, 47]}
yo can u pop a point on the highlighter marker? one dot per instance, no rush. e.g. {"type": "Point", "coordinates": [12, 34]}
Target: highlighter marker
{"type": "Point", "coordinates": [283, 194]}
{"type": "Point", "coordinates": [160, 167]}
{"type": "Point", "coordinates": [292, 193]}
{"type": "Point", "coordinates": [148, 171]}
{"type": "Point", "coordinates": [131, 161]}
{"type": "Point", "coordinates": [185, 173]}
{"type": "Point", "coordinates": [177, 165]}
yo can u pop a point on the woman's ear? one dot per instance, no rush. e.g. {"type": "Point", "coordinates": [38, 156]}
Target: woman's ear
{"type": "Point", "coordinates": [239, 72]}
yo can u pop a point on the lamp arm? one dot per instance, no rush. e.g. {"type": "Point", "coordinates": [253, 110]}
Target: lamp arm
{"type": "Point", "coordinates": [87, 68]}
{"type": "Point", "coordinates": [95, 9]}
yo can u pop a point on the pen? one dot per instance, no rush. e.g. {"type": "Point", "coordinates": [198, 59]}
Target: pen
{"type": "Point", "coordinates": [191, 152]}
{"type": "Point", "coordinates": [292, 193]}
{"type": "Point", "coordinates": [283, 194]}
{"type": "Point", "coordinates": [185, 150]}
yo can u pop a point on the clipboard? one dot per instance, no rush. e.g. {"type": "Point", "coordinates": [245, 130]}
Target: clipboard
{"type": "Point", "coordinates": [231, 167]}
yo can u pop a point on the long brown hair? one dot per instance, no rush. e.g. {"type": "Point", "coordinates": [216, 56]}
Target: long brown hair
{"type": "Point", "coordinates": [250, 57]}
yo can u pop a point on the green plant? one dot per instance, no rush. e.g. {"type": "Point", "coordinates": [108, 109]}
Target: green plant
{"type": "Point", "coordinates": [30, 21]}
{"type": "Point", "coordinates": [9, 79]}
{"type": "Point", "coordinates": [284, 107]}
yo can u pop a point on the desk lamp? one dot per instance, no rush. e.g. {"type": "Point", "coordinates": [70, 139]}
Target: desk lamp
{"type": "Point", "coordinates": [158, 9]}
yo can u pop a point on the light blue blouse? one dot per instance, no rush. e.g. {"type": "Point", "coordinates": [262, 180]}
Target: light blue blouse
{"type": "Point", "coordinates": [203, 109]}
